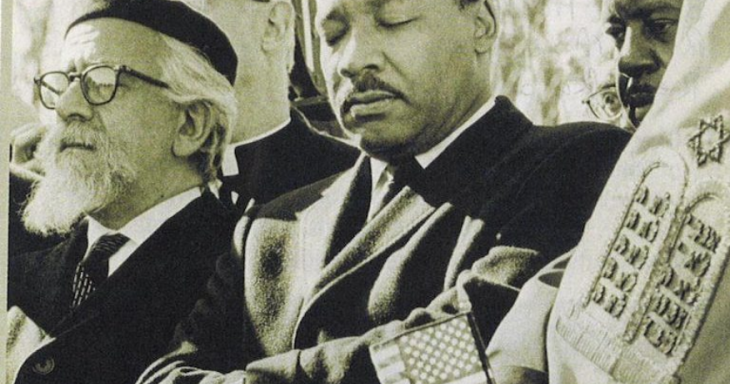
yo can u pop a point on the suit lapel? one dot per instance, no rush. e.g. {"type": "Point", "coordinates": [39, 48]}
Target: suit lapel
{"type": "Point", "coordinates": [325, 229]}
{"type": "Point", "coordinates": [395, 222]}
{"type": "Point", "coordinates": [450, 178]}
{"type": "Point", "coordinates": [53, 293]}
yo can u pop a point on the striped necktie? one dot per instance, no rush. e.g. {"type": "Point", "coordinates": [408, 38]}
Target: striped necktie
{"type": "Point", "coordinates": [93, 270]}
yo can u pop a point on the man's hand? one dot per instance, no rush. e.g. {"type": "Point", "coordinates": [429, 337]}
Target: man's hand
{"type": "Point", "coordinates": [24, 141]}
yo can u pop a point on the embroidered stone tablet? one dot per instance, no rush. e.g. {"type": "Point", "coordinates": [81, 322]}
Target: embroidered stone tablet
{"type": "Point", "coordinates": [647, 271]}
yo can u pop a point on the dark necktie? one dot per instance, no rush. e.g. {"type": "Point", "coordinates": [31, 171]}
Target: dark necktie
{"type": "Point", "coordinates": [93, 270]}
{"type": "Point", "coordinates": [226, 191]}
{"type": "Point", "coordinates": [399, 174]}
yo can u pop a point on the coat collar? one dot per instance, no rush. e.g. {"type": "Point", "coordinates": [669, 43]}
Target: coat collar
{"type": "Point", "coordinates": [477, 151]}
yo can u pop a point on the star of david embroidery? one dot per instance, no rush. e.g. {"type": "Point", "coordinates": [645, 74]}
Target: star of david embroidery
{"type": "Point", "coordinates": [707, 144]}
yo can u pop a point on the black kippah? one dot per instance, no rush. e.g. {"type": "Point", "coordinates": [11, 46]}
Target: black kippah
{"type": "Point", "coordinates": [177, 20]}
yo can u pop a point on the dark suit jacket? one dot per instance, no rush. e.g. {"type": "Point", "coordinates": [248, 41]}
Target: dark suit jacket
{"type": "Point", "coordinates": [130, 319]}
{"type": "Point", "coordinates": [290, 158]}
{"type": "Point", "coordinates": [309, 311]}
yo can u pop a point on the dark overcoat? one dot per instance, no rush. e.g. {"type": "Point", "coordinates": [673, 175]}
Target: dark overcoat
{"type": "Point", "coordinates": [304, 294]}
{"type": "Point", "coordinates": [129, 320]}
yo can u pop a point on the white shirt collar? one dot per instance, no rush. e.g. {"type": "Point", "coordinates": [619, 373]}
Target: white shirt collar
{"type": "Point", "coordinates": [377, 167]}
{"type": "Point", "coordinates": [139, 229]}
{"type": "Point", "coordinates": [229, 166]}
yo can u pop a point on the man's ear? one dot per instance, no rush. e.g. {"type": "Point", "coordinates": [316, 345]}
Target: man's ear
{"type": "Point", "coordinates": [193, 130]}
{"type": "Point", "coordinates": [279, 26]}
{"type": "Point", "coordinates": [486, 26]}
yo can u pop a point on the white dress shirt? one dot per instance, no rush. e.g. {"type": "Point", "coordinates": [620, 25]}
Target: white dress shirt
{"type": "Point", "coordinates": [139, 229]}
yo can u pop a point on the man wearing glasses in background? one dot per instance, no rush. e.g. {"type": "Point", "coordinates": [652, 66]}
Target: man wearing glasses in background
{"type": "Point", "coordinates": [99, 306]}
{"type": "Point", "coordinates": [604, 101]}
{"type": "Point", "coordinates": [644, 34]}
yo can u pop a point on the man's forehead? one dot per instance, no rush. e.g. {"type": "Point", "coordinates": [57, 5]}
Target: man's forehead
{"type": "Point", "coordinates": [204, 6]}
{"type": "Point", "coordinates": [638, 8]}
{"type": "Point", "coordinates": [109, 40]}
{"type": "Point", "coordinates": [325, 8]}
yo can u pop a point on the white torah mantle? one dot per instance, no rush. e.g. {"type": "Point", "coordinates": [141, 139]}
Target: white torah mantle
{"type": "Point", "coordinates": [646, 296]}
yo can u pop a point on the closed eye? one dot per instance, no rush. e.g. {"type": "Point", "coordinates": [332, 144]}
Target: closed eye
{"type": "Point", "coordinates": [332, 38]}
{"type": "Point", "coordinates": [332, 31]}
{"type": "Point", "coordinates": [660, 28]}
{"type": "Point", "coordinates": [617, 33]}
{"type": "Point", "coordinates": [389, 24]}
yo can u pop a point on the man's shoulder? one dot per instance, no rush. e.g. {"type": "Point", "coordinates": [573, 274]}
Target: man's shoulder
{"type": "Point", "coordinates": [304, 197]}
{"type": "Point", "coordinates": [569, 135]}
{"type": "Point", "coordinates": [567, 148]}
{"type": "Point", "coordinates": [40, 260]}
{"type": "Point", "coordinates": [34, 276]}
{"type": "Point", "coordinates": [206, 211]}
{"type": "Point", "coordinates": [318, 142]}
{"type": "Point", "coordinates": [204, 225]}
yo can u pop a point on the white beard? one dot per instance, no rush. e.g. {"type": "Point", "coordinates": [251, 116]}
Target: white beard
{"type": "Point", "coordinates": [77, 182]}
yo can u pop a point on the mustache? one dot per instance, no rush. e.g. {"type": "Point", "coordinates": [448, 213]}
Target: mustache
{"type": "Point", "coordinates": [641, 88]}
{"type": "Point", "coordinates": [367, 82]}
{"type": "Point", "coordinates": [77, 134]}
{"type": "Point", "coordinates": [630, 90]}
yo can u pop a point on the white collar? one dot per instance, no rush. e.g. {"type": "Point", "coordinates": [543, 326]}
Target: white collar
{"type": "Point", "coordinates": [377, 167]}
{"type": "Point", "coordinates": [229, 166]}
{"type": "Point", "coordinates": [139, 229]}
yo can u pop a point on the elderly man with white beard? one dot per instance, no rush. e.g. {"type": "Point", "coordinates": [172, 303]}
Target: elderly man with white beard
{"type": "Point", "coordinates": [101, 305]}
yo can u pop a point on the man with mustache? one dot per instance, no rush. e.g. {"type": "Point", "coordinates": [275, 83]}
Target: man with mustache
{"type": "Point", "coordinates": [644, 32]}
{"type": "Point", "coordinates": [449, 175]}
{"type": "Point", "coordinates": [98, 307]}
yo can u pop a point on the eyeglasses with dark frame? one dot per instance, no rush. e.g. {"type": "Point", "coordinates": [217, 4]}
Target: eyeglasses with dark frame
{"type": "Point", "coordinates": [605, 104]}
{"type": "Point", "coordinates": [99, 83]}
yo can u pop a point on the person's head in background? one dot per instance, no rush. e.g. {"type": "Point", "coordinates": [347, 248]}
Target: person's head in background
{"type": "Point", "coordinates": [262, 34]}
{"type": "Point", "coordinates": [644, 32]}
{"type": "Point", "coordinates": [604, 101]}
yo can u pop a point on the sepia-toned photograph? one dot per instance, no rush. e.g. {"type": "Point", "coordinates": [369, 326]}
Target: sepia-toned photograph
{"type": "Point", "coordinates": [364, 191]}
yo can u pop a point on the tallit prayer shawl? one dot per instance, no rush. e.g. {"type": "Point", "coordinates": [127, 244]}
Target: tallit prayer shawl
{"type": "Point", "coordinates": [646, 296]}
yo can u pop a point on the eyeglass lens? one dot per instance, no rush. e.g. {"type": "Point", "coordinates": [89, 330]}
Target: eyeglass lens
{"type": "Point", "coordinates": [606, 105]}
{"type": "Point", "coordinates": [98, 86]}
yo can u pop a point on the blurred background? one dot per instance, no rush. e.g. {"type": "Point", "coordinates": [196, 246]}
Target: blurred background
{"type": "Point", "coordinates": [551, 54]}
